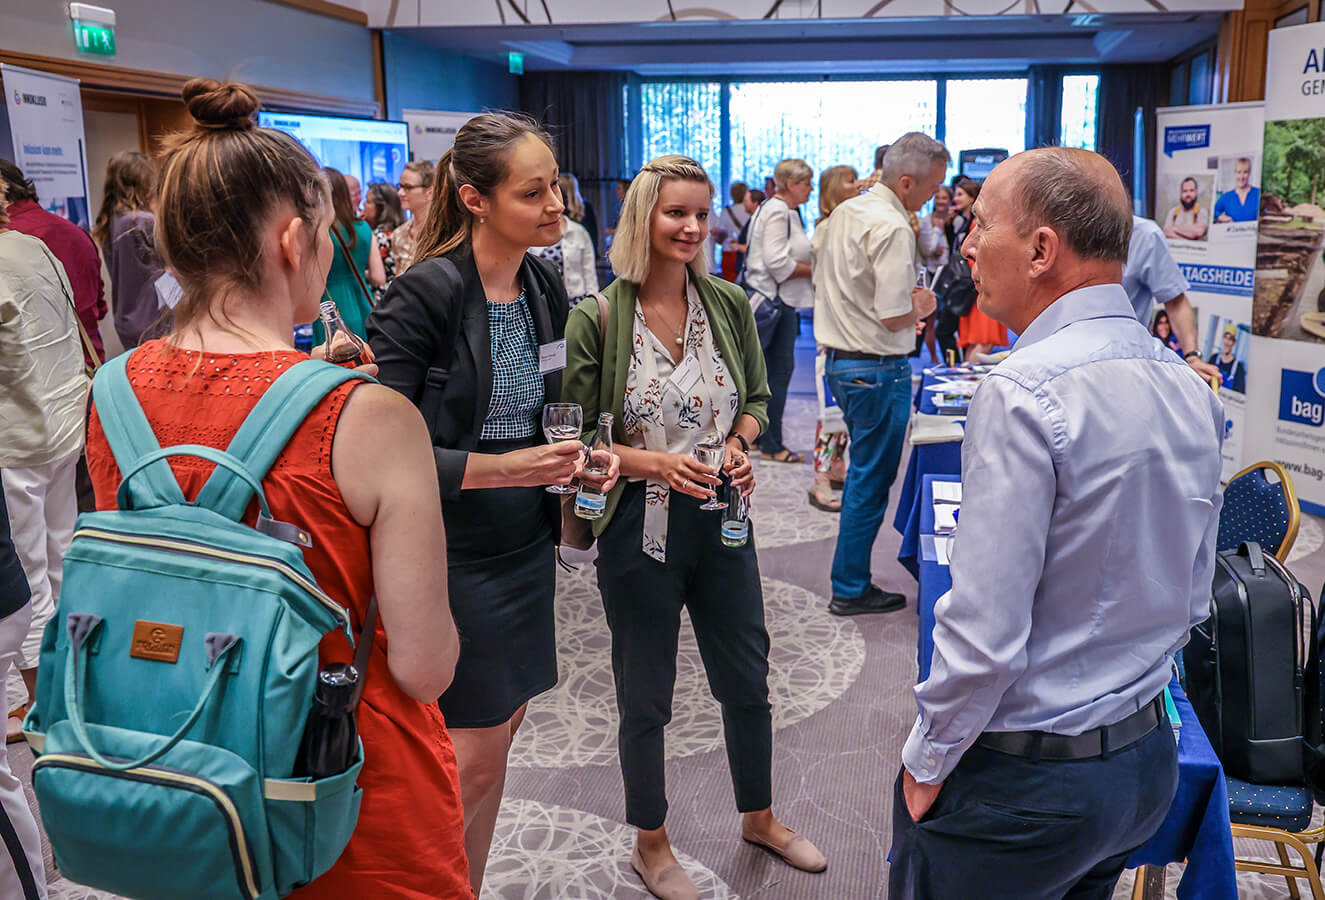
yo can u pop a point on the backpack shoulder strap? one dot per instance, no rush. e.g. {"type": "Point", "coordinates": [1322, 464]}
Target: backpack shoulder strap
{"type": "Point", "coordinates": [268, 428]}
{"type": "Point", "coordinates": [131, 437]}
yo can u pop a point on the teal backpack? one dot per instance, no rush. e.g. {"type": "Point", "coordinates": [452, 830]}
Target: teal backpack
{"type": "Point", "coordinates": [178, 673]}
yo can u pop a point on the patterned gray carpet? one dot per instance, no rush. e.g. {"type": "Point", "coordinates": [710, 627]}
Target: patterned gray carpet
{"type": "Point", "coordinates": [842, 707]}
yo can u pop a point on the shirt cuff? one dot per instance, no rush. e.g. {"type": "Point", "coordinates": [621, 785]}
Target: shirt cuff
{"type": "Point", "coordinates": [927, 762]}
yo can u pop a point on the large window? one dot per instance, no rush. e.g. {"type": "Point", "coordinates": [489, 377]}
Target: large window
{"type": "Point", "coordinates": [683, 117]}
{"type": "Point", "coordinates": [1080, 104]}
{"type": "Point", "coordinates": [824, 123]}
{"type": "Point", "coordinates": [984, 113]}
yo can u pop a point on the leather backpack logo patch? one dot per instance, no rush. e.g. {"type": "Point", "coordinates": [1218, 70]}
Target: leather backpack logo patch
{"type": "Point", "coordinates": [154, 640]}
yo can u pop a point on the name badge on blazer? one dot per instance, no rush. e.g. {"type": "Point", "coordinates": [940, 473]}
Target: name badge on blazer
{"type": "Point", "coordinates": [551, 357]}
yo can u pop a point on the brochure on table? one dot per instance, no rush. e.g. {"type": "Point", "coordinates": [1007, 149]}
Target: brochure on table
{"type": "Point", "coordinates": [1286, 378]}
{"type": "Point", "coordinates": [45, 117]}
{"type": "Point", "coordinates": [1207, 200]}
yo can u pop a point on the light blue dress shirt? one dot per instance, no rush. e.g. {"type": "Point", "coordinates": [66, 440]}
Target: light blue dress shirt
{"type": "Point", "coordinates": [1086, 544]}
{"type": "Point", "coordinates": [1150, 274]}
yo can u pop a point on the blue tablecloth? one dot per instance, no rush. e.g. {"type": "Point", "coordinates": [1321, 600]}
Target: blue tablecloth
{"type": "Point", "coordinates": [926, 459]}
{"type": "Point", "coordinates": [1197, 826]}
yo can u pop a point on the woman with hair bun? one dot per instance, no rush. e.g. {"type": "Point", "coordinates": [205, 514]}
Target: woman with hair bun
{"type": "Point", "coordinates": [472, 334]}
{"type": "Point", "coordinates": [244, 219]}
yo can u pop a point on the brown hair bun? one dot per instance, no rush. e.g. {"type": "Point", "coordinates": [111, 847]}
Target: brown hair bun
{"type": "Point", "coordinates": [214, 104]}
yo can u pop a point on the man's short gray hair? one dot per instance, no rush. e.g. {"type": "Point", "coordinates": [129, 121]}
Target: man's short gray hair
{"type": "Point", "coordinates": [1064, 189]}
{"type": "Point", "coordinates": [913, 154]}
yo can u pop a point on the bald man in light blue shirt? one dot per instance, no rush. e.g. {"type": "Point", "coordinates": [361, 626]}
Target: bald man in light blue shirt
{"type": "Point", "coordinates": [1041, 756]}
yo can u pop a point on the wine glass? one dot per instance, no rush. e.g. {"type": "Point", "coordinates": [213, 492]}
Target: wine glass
{"type": "Point", "coordinates": [562, 422]}
{"type": "Point", "coordinates": [711, 450]}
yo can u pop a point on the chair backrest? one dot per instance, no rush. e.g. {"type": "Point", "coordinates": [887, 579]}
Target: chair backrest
{"type": "Point", "coordinates": [1260, 510]}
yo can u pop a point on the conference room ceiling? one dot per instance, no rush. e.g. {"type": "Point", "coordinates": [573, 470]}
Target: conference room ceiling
{"type": "Point", "coordinates": [843, 47]}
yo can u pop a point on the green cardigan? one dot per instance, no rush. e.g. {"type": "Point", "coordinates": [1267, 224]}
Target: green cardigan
{"type": "Point", "coordinates": [600, 385]}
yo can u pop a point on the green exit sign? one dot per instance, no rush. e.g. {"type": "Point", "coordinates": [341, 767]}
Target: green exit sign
{"type": "Point", "coordinates": [515, 62]}
{"type": "Point", "coordinates": [92, 38]}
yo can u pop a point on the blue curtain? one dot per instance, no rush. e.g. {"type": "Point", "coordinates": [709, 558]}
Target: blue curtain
{"type": "Point", "coordinates": [1123, 90]}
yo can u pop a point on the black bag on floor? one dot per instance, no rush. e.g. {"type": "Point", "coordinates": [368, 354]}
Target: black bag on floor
{"type": "Point", "coordinates": [1252, 673]}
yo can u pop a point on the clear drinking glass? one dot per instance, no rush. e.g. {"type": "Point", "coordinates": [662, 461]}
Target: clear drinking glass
{"type": "Point", "coordinates": [562, 422]}
{"type": "Point", "coordinates": [711, 450]}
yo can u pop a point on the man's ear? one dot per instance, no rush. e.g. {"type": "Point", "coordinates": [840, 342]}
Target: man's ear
{"type": "Point", "coordinates": [1045, 248]}
{"type": "Point", "coordinates": [294, 243]}
{"type": "Point", "coordinates": [473, 201]}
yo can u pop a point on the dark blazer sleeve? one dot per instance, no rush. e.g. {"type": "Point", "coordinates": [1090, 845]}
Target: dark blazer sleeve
{"type": "Point", "coordinates": [14, 590]}
{"type": "Point", "coordinates": [407, 332]}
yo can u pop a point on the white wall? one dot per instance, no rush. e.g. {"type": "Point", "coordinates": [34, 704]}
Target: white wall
{"type": "Point", "coordinates": [251, 40]}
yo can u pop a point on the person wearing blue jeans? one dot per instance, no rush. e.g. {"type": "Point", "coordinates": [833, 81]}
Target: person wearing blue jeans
{"type": "Point", "coordinates": [866, 310]}
{"type": "Point", "coordinates": [875, 397]}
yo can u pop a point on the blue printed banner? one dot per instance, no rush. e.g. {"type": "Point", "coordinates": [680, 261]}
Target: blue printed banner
{"type": "Point", "coordinates": [1233, 280]}
{"type": "Point", "coordinates": [1185, 137]}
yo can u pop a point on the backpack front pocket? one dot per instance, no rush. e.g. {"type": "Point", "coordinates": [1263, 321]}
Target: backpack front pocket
{"type": "Point", "coordinates": [311, 822]}
{"type": "Point", "coordinates": [119, 830]}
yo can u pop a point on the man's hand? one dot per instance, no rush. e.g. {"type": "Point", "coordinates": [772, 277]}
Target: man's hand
{"type": "Point", "coordinates": [923, 302]}
{"type": "Point", "coordinates": [919, 797]}
{"type": "Point", "coordinates": [1203, 368]}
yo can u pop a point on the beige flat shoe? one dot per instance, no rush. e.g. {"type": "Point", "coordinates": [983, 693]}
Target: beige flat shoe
{"type": "Point", "coordinates": [799, 852]}
{"type": "Point", "coordinates": [672, 883]}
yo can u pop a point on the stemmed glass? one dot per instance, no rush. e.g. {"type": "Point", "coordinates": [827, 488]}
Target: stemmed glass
{"type": "Point", "coordinates": [710, 450]}
{"type": "Point", "coordinates": [562, 422]}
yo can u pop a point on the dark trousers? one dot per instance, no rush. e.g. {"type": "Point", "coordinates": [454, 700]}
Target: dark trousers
{"type": "Point", "coordinates": [945, 331]}
{"type": "Point", "coordinates": [643, 598]}
{"type": "Point", "coordinates": [780, 359]}
{"type": "Point", "coordinates": [1006, 828]}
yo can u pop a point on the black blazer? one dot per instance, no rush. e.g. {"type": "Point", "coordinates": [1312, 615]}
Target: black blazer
{"type": "Point", "coordinates": [430, 336]}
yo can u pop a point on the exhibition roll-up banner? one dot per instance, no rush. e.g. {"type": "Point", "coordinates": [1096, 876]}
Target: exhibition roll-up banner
{"type": "Point", "coordinates": [432, 132]}
{"type": "Point", "coordinates": [46, 123]}
{"type": "Point", "coordinates": [1286, 378]}
{"type": "Point", "coordinates": [1207, 199]}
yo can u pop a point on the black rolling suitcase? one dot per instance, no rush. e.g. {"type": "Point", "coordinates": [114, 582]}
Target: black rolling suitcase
{"type": "Point", "coordinates": [1252, 672]}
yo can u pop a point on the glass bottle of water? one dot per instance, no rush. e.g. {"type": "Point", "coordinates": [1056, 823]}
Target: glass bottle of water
{"type": "Point", "coordinates": [590, 501]}
{"type": "Point", "coordinates": [735, 517]}
{"type": "Point", "coordinates": [343, 345]}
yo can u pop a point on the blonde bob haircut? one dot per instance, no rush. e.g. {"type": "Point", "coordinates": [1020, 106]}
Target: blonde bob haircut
{"type": "Point", "coordinates": [791, 171]}
{"type": "Point", "coordinates": [631, 247]}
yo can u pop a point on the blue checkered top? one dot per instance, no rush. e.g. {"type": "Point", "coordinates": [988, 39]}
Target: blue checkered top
{"type": "Point", "coordinates": [517, 388]}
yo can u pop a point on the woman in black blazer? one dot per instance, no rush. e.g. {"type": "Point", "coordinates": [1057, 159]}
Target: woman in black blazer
{"type": "Point", "coordinates": [473, 334]}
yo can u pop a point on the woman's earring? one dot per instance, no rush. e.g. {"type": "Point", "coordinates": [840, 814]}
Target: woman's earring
{"type": "Point", "coordinates": [482, 220]}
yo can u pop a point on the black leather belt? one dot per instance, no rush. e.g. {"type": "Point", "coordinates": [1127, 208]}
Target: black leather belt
{"type": "Point", "coordinates": [1094, 743]}
{"type": "Point", "coordinates": [872, 357]}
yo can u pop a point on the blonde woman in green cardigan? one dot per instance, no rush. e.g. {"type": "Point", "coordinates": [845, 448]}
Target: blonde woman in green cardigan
{"type": "Point", "coordinates": [681, 360]}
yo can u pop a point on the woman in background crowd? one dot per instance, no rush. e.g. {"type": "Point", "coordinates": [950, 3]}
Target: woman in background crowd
{"type": "Point", "coordinates": [754, 198]}
{"type": "Point", "coordinates": [573, 255]}
{"type": "Point", "coordinates": [381, 210]}
{"type": "Point", "coordinates": [125, 230]}
{"type": "Point", "coordinates": [356, 267]}
{"type": "Point", "coordinates": [41, 425]}
{"type": "Point", "coordinates": [664, 309]}
{"type": "Point", "coordinates": [579, 208]}
{"type": "Point", "coordinates": [837, 185]}
{"type": "Point", "coordinates": [777, 271]}
{"type": "Point", "coordinates": [942, 328]}
{"type": "Point", "coordinates": [459, 334]}
{"type": "Point", "coordinates": [1163, 330]}
{"type": "Point", "coordinates": [415, 198]}
{"type": "Point", "coordinates": [977, 334]}
{"type": "Point", "coordinates": [245, 221]}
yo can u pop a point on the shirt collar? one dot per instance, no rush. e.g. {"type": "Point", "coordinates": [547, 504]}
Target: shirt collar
{"type": "Point", "coordinates": [1099, 301]}
{"type": "Point", "coordinates": [885, 193]}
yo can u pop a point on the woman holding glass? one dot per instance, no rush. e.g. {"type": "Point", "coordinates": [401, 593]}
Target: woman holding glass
{"type": "Point", "coordinates": [470, 333]}
{"type": "Point", "coordinates": [680, 364]}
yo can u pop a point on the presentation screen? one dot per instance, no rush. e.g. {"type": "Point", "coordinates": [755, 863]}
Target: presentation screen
{"type": "Point", "coordinates": [369, 149]}
{"type": "Point", "coordinates": [977, 164]}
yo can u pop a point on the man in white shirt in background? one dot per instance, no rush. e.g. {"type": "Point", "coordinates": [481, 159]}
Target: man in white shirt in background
{"type": "Point", "coordinates": [1042, 757]}
{"type": "Point", "coordinates": [866, 308]}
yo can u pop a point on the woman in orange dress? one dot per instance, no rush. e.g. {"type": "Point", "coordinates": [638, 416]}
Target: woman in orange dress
{"type": "Point", "coordinates": [243, 219]}
{"type": "Point", "coordinates": [976, 332]}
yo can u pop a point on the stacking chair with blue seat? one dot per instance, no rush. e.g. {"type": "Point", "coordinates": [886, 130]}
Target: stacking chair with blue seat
{"type": "Point", "coordinates": [1280, 815]}
{"type": "Point", "coordinates": [1260, 510]}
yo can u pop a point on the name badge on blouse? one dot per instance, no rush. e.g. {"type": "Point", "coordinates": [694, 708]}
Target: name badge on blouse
{"type": "Point", "coordinates": [686, 374]}
{"type": "Point", "coordinates": [551, 357]}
